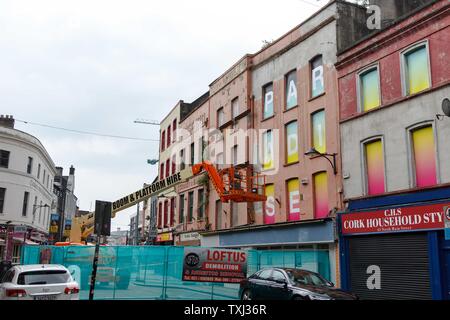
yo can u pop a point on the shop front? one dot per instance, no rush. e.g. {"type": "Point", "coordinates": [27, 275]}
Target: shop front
{"type": "Point", "coordinates": [315, 238]}
{"type": "Point", "coordinates": [164, 239]}
{"type": "Point", "coordinates": [189, 239]}
{"type": "Point", "coordinates": [394, 247]}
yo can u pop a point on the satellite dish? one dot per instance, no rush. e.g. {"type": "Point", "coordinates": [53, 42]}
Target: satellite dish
{"type": "Point", "coordinates": [446, 107]}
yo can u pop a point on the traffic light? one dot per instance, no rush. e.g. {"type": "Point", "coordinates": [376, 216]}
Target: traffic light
{"type": "Point", "coordinates": [102, 226]}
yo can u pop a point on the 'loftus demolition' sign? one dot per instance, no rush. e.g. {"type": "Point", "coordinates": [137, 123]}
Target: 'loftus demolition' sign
{"type": "Point", "coordinates": [214, 265]}
{"type": "Point", "coordinates": [149, 191]}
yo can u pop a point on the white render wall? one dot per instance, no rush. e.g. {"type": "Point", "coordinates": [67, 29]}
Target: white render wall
{"type": "Point", "coordinates": [17, 181]}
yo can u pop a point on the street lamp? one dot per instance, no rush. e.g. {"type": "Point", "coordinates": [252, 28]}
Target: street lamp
{"type": "Point", "coordinates": [445, 109]}
{"type": "Point", "coordinates": [152, 161]}
{"type": "Point", "coordinates": [35, 207]}
{"type": "Point", "coordinates": [314, 152]}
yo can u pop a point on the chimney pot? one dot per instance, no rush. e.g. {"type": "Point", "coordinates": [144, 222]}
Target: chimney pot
{"type": "Point", "coordinates": [7, 121]}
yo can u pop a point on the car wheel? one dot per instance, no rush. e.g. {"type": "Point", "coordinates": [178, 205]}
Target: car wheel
{"type": "Point", "coordinates": [247, 295]}
{"type": "Point", "coordinates": [299, 298]}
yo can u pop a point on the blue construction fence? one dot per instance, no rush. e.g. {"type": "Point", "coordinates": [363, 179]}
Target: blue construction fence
{"type": "Point", "coordinates": [155, 272]}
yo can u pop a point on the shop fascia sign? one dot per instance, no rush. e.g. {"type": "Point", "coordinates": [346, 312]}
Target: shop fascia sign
{"type": "Point", "coordinates": [190, 236]}
{"type": "Point", "coordinates": [430, 217]}
{"type": "Point", "coordinates": [164, 237]}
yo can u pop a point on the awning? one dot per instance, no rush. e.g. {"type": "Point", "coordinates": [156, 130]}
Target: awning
{"type": "Point", "coordinates": [26, 241]}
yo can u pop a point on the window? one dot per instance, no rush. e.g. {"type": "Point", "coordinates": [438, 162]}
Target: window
{"type": "Point", "coordinates": [291, 143]}
{"type": "Point", "coordinates": [40, 211]}
{"type": "Point", "coordinates": [159, 216]}
{"type": "Point", "coordinates": [2, 198]}
{"type": "Point", "coordinates": [321, 208]}
{"type": "Point", "coordinates": [220, 160]}
{"type": "Point", "coordinates": [416, 70]}
{"type": "Point", "coordinates": [166, 214]}
{"type": "Point", "coordinates": [174, 129]}
{"type": "Point", "coordinates": [219, 214]}
{"type": "Point", "coordinates": [220, 117]}
{"type": "Point", "coordinates": [30, 278]}
{"type": "Point", "coordinates": [234, 214]}
{"type": "Point", "coordinates": [161, 172]}
{"type": "Point", "coordinates": [268, 162]}
{"type": "Point", "coordinates": [293, 195]}
{"type": "Point", "coordinates": [168, 137]}
{"type": "Point", "coordinates": [318, 134]}
{"type": "Point", "coordinates": [291, 90]}
{"type": "Point", "coordinates": [375, 176]}
{"type": "Point", "coordinates": [172, 212]}
{"type": "Point", "coordinates": [317, 81]}
{"type": "Point", "coordinates": [190, 206]}
{"type": "Point", "coordinates": [235, 111]}
{"type": "Point", "coordinates": [34, 208]}
{"type": "Point", "coordinates": [278, 276]}
{"type": "Point", "coordinates": [265, 274]}
{"type": "Point", "coordinates": [424, 156]}
{"type": "Point", "coordinates": [235, 155]}
{"type": "Point", "coordinates": [235, 107]}
{"type": "Point", "coordinates": [30, 165]}
{"type": "Point", "coordinates": [269, 210]}
{"type": "Point", "coordinates": [181, 212]}
{"type": "Point", "coordinates": [182, 160]}
{"type": "Point", "coordinates": [48, 180]}
{"type": "Point", "coordinates": [201, 203]}
{"type": "Point", "coordinates": [9, 276]}
{"type": "Point", "coordinates": [174, 164]}
{"type": "Point", "coordinates": [167, 168]}
{"type": "Point", "coordinates": [163, 141]}
{"type": "Point", "coordinates": [369, 86]}
{"type": "Point", "coordinates": [39, 171]}
{"type": "Point", "coordinates": [192, 153]}
{"type": "Point", "coordinates": [4, 158]}
{"type": "Point", "coordinates": [268, 101]}
{"type": "Point", "coordinates": [202, 146]}
{"type": "Point", "coordinates": [43, 177]}
{"type": "Point", "coordinates": [25, 204]}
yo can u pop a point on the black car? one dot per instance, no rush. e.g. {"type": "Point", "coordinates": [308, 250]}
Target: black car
{"type": "Point", "coordinates": [290, 284]}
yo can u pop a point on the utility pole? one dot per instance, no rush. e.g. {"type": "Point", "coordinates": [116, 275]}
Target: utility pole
{"type": "Point", "coordinates": [137, 226]}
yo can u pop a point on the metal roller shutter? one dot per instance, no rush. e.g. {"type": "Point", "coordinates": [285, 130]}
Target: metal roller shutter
{"type": "Point", "coordinates": [403, 260]}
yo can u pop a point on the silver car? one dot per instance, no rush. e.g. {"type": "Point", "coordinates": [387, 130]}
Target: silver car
{"type": "Point", "coordinates": [38, 282]}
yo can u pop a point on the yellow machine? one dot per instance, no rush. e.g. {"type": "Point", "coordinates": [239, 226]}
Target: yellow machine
{"type": "Point", "coordinates": [82, 228]}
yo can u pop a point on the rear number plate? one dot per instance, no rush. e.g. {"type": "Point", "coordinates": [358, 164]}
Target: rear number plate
{"type": "Point", "coordinates": [53, 297]}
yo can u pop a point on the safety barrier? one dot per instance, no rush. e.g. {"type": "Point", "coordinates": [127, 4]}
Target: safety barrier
{"type": "Point", "coordinates": [155, 272]}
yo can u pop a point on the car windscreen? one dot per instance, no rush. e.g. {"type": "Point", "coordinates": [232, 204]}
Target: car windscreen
{"type": "Point", "coordinates": [30, 278]}
{"type": "Point", "coordinates": [307, 278]}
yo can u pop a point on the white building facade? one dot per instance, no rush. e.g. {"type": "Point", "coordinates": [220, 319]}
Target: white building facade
{"type": "Point", "coordinates": [26, 186]}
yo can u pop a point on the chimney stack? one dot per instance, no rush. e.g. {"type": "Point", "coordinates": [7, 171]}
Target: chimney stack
{"type": "Point", "coordinates": [72, 171]}
{"type": "Point", "coordinates": [7, 121]}
{"type": "Point", "coordinates": [59, 171]}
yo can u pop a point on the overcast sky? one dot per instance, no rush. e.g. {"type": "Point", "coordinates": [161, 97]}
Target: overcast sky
{"type": "Point", "coordinates": [98, 65]}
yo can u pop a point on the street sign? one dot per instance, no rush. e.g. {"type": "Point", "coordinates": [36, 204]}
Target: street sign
{"type": "Point", "coordinates": [447, 223]}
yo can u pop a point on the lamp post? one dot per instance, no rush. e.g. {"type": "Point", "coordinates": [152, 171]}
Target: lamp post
{"type": "Point", "coordinates": [35, 207]}
{"type": "Point", "coordinates": [7, 253]}
{"type": "Point", "coordinates": [314, 152]}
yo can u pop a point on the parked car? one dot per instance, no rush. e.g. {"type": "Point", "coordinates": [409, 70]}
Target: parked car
{"type": "Point", "coordinates": [38, 282]}
{"type": "Point", "coordinates": [290, 284]}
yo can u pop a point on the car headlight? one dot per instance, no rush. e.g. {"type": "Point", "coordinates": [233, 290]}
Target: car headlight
{"type": "Point", "coordinates": [319, 297]}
